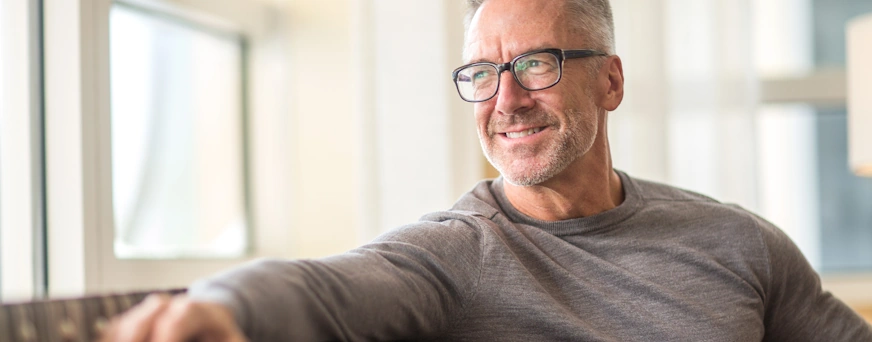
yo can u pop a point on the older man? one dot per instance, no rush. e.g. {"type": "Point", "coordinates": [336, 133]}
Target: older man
{"type": "Point", "coordinates": [561, 247]}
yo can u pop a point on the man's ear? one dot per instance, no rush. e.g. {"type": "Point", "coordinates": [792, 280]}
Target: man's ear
{"type": "Point", "coordinates": [611, 79]}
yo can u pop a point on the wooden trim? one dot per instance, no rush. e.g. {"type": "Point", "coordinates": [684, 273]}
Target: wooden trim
{"type": "Point", "coordinates": [822, 87]}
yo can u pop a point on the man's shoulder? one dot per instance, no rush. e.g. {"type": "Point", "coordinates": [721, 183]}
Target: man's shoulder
{"type": "Point", "coordinates": [675, 203]}
{"type": "Point", "coordinates": [652, 191]}
{"type": "Point", "coordinates": [726, 232]}
{"type": "Point", "coordinates": [480, 201]}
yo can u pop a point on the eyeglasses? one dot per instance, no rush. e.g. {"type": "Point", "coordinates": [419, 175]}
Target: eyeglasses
{"type": "Point", "coordinates": [534, 70]}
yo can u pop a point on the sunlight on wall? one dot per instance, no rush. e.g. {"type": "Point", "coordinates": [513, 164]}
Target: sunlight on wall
{"type": "Point", "coordinates": [319, 45]}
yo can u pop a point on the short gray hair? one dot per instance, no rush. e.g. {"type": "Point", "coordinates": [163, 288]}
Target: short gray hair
{"type": "Point", "coordinates": [590, 17]}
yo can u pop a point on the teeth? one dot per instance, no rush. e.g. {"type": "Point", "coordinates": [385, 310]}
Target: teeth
{"type": "Point", "coordinates": [521, 134]}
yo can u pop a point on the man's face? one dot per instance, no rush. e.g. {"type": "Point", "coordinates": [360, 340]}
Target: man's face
{"type": "Point", "coordinates": [531, 137]}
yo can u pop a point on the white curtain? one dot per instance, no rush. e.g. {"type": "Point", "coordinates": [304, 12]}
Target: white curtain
{"type": "Point", "coordinates": [691, 115]}
{"type": "Point", "coordinates": [688, 115]}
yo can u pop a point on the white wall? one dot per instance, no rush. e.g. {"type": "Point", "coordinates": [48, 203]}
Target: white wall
{"type": "Point", "coordinates": [424, 138]}
{"type": "Point", "coordinates": [320, 127]}
{"type": "Point", "coordinates": [379, 135]}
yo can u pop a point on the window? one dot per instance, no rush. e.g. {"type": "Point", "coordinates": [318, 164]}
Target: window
{"type": "Point", "coordinates": [830, 204]}
{"type": "Point", "coordinates": [178, 158]}
{"type": "Point", "coordinates": [844, 202]}
{"type": "Point", "coordinates": [182, 78]}
{"type": "Point", "coordinates": [845, 199]}
{"type": "Point", "coordinates": [744, 101]}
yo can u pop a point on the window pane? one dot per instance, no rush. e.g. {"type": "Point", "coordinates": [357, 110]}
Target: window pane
{"type": "Point", "coordinates": [178, 181]}
{"type": "Point", "coordinates": [845, 199]}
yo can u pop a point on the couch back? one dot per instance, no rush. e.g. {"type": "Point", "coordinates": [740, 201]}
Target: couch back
{"type": "Point", "coordinates": [72, 319]}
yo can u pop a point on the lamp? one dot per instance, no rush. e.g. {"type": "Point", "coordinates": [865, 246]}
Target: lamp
{"type": "Point", "coordinates": [859, 60]}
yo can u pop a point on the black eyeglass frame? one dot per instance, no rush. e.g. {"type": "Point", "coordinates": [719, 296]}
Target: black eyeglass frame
{"type": "Point", "coordinates": [560, 54]}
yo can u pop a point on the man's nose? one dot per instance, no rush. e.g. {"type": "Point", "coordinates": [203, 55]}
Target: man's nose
{"type": "Point", "coordinates": [511, 97]}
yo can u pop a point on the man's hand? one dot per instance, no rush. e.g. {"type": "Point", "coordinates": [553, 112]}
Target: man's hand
{"type": "Point", "coordinates": [176, 319]}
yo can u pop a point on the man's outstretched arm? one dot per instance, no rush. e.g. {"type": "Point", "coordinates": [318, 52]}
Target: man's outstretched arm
{"type": "Point", "coordinates": [409, 283]}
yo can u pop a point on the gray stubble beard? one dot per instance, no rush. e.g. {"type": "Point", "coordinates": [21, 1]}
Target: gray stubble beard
{"type": "Point", "coordinates": [571, 144]}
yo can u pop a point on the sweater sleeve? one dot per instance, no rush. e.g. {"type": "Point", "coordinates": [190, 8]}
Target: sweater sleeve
{"type": "Point", "coordinates": [408, 283]}
{"type": "Point", "coordinates": [797, 308]}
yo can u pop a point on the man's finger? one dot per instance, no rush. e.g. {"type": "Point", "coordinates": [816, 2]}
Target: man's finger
{"type": "Point", "coordinates": [184, 320]}
{"type": "Point", "coordinates": [136, 324]}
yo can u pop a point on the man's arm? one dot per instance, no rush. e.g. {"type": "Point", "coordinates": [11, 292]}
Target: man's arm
{"type": "Point", "coordinates": [408, 283]}
{"type": "Point", "coordinates": [797, 309]}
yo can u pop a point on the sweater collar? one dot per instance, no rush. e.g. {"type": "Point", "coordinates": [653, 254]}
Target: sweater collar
{"type": "Point", "coordinates": [632, 200]}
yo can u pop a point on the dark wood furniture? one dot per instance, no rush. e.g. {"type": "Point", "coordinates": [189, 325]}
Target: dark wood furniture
{"type": "Point", "coordinates": [73, 319]}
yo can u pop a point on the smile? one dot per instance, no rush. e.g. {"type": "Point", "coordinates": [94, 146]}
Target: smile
{"type": "Point", "coordinates": [521, 134]}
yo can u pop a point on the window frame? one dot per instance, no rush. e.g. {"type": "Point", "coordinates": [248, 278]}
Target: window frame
{"type": "Point", "coordinates": [80, 237]}
{"type": "Point", "coordinates": [22, 195]}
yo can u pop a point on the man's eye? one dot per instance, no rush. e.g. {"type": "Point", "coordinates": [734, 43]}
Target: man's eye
{"type": "Point", "coordinates": [528, 64]}
{"type": "Point", "coordinates": [535, 66]}
{"type": "Point", "coordinates": [480, 75]}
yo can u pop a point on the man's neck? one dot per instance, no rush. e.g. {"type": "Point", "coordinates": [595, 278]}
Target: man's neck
{"type": "Point", "coordinates": [569, 195]}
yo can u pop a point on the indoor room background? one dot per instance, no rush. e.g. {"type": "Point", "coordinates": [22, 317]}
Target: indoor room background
{"type": "Point", "coordinates": [148, 143]}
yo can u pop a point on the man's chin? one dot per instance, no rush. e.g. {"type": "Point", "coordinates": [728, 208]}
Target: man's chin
{"type": "Point", "coordinates": [523, 169]}
{"type": "Point", "coordinates": [522, 182]}
{"type": "Point", "coordinates": [532, 171]}
{"type": "Point", "coordinates": [527, 177]}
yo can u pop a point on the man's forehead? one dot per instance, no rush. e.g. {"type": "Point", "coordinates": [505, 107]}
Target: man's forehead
{"type": "Point", "coordinates": [476, 52]}
{"type": "Point", "coordinates": [514, 27]}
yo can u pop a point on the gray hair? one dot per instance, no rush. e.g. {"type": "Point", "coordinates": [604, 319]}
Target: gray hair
{"type": "Point", "coordinates": [590, 17]}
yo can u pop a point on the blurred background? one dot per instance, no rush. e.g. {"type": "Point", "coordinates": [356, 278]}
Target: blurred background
{"type": "Point", "coordinates": [149, 143]}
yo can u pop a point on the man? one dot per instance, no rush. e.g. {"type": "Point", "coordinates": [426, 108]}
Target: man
{"type": "Point", "coordinates": [561, 247]}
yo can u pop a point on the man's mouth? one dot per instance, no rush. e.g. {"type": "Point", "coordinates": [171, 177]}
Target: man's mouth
{"type": "Point", "coordinates": [524, 133]}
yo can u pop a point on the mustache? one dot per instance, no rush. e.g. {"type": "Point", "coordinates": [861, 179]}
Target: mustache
{"type": "Point", "coordinates": [537, 118]}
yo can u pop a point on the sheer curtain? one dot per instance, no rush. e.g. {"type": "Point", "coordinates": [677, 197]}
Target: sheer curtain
{"type": "Point", "coordinates": [688, 114]}
{"type": "Point", "coordinates": [692, 115]}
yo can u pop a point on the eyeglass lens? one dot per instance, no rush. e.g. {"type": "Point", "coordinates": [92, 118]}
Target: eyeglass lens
{"type": "Point", "coordinates": [479, 82]}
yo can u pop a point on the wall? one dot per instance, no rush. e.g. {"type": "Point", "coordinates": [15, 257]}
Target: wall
{"type": "Point", "coordinates": [370, 150]}
{"type": "Point", "coordinates": [320, 127]}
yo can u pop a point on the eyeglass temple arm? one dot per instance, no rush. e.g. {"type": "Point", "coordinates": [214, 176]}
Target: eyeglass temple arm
{"type": "Point", "coordinates": [569, 54]}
